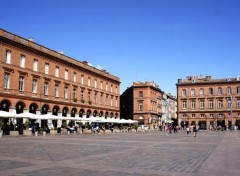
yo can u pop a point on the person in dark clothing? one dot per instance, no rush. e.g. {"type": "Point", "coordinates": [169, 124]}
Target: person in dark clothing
{"type": "Point", "coordinates": [194, 131]}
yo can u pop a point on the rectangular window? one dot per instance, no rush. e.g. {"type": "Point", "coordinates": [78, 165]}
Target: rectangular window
{"type": "Point", "coordinates": [101, 99]}
{"type": "Point", "coordinates": [82, 93]}
{"type": "Point", "coordinates": [95, 98]}
{"type": "Point", "coordinates": [184, 104]}
{"type": "Point", "coordinates": [45, 88]}
{"type": "Point", "coordinates": [201, 91]}
{"type": "Point", "coordinates": [202, 115]}
{"type": "Point", "coordinates": [74, 93]}
{"type": "Point", "coordinates": [229, 90]}
{"type": "Point", "coordinates": [89, 81]}
{"type": "Point", "coordinates": [56, 91]}
{"type": "Point", "coordinates": [201, 104]}
{"type": "Point", "coordinates": [89, 96]}
{"type": "Point", "coordinates": [21, 83]}
{"type": "Point", "coordinates": [56, 71]}
{"type": "Point", "coordinates": [211, 104]}
{"type": "Point", "coordinates": [140, 95]}
{"type": "Point", "coordinates": [210, 91]}
{"type": "Point", "coordinates": [192, 92]}
{"type": "Point", "coordinates": [220, 104]}
{"type": "Point", "coordinates": [184, 93]}
{"type": "Point", "coordinates": [211, 115]}
{"type": "Point", "coordinates": [46, 68]}
{"type": "Point", "coordinates": [238, 103]}
{"type": "Point", "coordinates": [35, 65]}
{"type": "Point", "coordinates": [140, 106]}
{"type": "Point", "coordinates": [82, 79]}
{"type": "Point", "coordinates": [95, 83]}
{"type": "Point", "coordinates": [34, 86]}
{"type": "Point", "coordinates": [220, 115]}
{"type": "Point", "coordinates": [193, 104]}
{"type": "Point", "coordinates": [106, 102]}
{"type": "Point", "coordinates": [6, 81]}
{"type": "Point", "coordinates": [238, 90]}
{"type": "Point", "coordinates": [66, 75]}
{"type": "Point", "coordinates": [229, 104]}
{"type": "Point", "coordinates": [8, 57]}
{"type": "Point", "coordinates": [193, 115]}
{"type": "Point", "coordinates": [219, 91]}
{"type": "Point", "coordinates": [66, 92]}
{"type": "Point", "coordinates": [101, 85]}
{"type": "Point", "coordinates": [111, 103]}
{"type": "Point", "coordinates": [74, 77]}
{"type": "Point", "coordinates": [107, 87]}
{"type": "Point", "coordinates": [22, 61]}
{"type": "Point", "coordinates": [116, 88]}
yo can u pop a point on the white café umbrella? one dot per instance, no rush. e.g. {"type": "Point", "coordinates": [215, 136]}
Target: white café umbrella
{"type": "Point", "coordinates": [28, 115]}
{"type": "Point", "coordinates": [5, 114]}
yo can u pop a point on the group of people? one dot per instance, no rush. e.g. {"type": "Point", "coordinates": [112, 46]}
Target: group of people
{"type": "Point", "coordinates": [194, 129]}
{"type": "Point", "coordinates": [169, 128]}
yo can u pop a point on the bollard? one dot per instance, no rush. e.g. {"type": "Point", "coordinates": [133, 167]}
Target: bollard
{"type": "Point", "coordinates": [36, 133]}
{"type": "Point", "coordinates": [44, 133]}
{"type": "Point", "coordinates": [68, 132]}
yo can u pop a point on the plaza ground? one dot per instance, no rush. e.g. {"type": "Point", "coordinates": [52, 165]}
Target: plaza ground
{"type": "Point", "coordinates": [122, 154]}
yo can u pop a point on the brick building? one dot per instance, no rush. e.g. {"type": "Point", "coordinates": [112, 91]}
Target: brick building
{"type": "Point", "coordinates": [39, 80]}
{"type": "Point", "coordinates": [208, 102]}
{"type": "Point", "coordinates": [145, 102]}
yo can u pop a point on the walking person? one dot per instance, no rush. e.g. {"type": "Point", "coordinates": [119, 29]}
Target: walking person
{"type": "Point", "coordinates": [188, 130]}
{"type": "Point", "coordinates": [194, 131]}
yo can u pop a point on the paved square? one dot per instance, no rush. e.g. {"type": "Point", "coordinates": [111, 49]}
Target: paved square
{"type": "Point", "coordinates": [121, 154]}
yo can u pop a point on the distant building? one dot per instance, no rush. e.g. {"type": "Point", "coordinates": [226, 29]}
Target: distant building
{"type": "Point", "coordinates": [208, 102]}
{"type": "Point", "coordinates": [39, 80]}
{"type": "Point", "coordinates": [148, 104]}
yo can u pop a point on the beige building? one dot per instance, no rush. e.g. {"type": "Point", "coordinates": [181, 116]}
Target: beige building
{"type": "Point", "coordinates": [39, 80]}
{"type": "Point", "coordinates": [208, 102]}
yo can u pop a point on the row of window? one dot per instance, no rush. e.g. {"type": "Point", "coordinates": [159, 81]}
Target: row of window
{"type": "Point", "coordinates": [6, 86]}
{"type": "Point", "coordinates": [66, 73]}
{"type": "Point", "coordinates": [211, 115]}
{"type": "Point", "coordinates": [210, 91]}
{"type": "Point", "coordinates": [210, 104]}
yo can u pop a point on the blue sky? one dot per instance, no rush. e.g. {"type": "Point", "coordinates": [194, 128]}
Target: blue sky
{"type": "Point", "coordinates": [136, 40]}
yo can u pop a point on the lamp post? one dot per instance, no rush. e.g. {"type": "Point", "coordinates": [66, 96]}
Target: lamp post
{"type": "Point", "coordinates": [230, 100]}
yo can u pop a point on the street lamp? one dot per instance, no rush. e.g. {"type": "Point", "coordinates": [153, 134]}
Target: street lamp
{"type": "Point", "coordinates": [230, 101]}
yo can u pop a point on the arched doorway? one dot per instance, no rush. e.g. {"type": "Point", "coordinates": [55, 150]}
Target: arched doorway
{"type": "Point", "coordinates": [73, 112]}
{"type": "Point", "coordinates": [4, 105]}
{"type": "Point", "coordinates": [95, 113]}
{"type": "Point", "coordinates": [19, 121]}
{"type": "Point", "coordinates": [106, 115]}
{"type": "Point", "coordinates": [33, 108]}
{"type": "Point", "coordinates": [44, 110]}
{"type": "Point", "coordinates": [111, 115]}
{"type": "Point", "coordinates": [64, 114]}
{"type": "Point", "coordinates": [81, 112]}
{"type": "Point", "coordinates": [116, 115]}
{"type": "Point", "coordinates": [55, 112]}
{"type": "Point", "coordinates": [88, 113]}
{"type": "Point", "coordinates": [19, 107]}
{"type": "Point", "coordinates": [100, 114]}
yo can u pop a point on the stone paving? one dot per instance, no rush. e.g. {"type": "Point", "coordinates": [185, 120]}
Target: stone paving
{"type": "Point", "coordinates": [122, 154]}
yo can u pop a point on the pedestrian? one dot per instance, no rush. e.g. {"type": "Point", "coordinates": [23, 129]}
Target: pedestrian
{"type": "Point", "coordinates": [194, 131]}
{"type": "Point", "coordinates": [188, 130]}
